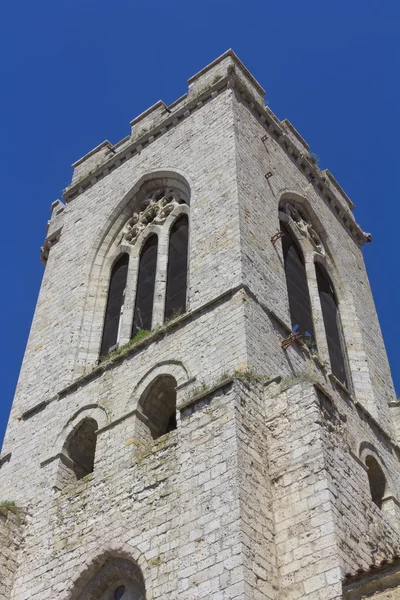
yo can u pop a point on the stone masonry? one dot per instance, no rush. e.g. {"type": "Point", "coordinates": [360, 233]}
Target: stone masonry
{"type": "Point", "coordinates": [262, 491]}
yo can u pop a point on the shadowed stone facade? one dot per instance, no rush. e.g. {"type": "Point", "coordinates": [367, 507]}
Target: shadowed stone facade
{"type": "Point", "coordinates": [260, 488]}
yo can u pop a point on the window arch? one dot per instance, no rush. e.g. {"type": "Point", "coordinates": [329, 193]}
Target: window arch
{"type": "Point", "coordinates": [115, 304]}
{"type": "Point", "coordinates": [175, 302]}
{"type": "Point", "coordinates": [143, 315]}
{"type": "Point", "coordinates": [376, 479]}
{"type": "Point", "coordinates": [80, 449]}
{"type": "Point", "coordinates": [332, 323]}
{"type": "Point", "coordinates": [158, 405]}
{"type": "Point", "coordinates": [297, 286]}
{"type": "Point", "coordinates": [118, 578]}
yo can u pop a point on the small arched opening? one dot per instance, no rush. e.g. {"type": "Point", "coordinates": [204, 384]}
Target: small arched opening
{"type": "Point", "coordinates": [158, 405]}
{"type": "Point", "coordinates": [377, 480]}
{"type": "Point", "coordinates": [117, 579]}
{"type": "Point", "coordinates": [80, 449]}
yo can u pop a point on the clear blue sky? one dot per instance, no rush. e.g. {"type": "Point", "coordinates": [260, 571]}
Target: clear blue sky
{"type": "Point", "coordinates": [75, 72]}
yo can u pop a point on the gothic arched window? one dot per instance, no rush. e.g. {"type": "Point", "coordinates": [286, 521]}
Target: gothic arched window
{"type": "Point", "coordinates": [175, 302]}
{"type": "Point", "coordinates": [143, 315]}
{"type": "Point", "coordinates": [297, 286]}
{"type": "Point", "coordinates": [377, 480]}
{"type": "Point", "coordinates": [115, 303]}
{"type": "Point", "coordinates": [333, 326]}
{"type": "Point", "coordinates": [80, 448]}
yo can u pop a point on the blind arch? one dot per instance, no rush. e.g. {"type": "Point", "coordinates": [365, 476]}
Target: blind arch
{"type": "Point", "coordinates": [115, 302]}
{"type": "Point", "coordinates": [143, 314]}
{"type": "Point", "coordinates": [175, 302]}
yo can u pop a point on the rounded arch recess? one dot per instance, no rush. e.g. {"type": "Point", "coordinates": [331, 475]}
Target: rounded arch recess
{"type": "Point", "coordinates": [173, 368]}
{"type": "Point", "coordinates": [109, 570]}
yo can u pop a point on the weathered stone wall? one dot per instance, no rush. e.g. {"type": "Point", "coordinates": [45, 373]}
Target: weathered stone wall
{"type": "Point", "coordinates": [10, 541]}
{"type": "Point", "coordinates": [258, 153]}
{"type": "Point", "coordinates": [326, 523]}
{"type": "Point", "coordinates": [255, 495]}
{"type": "Point", "coordinates": [381, 583]}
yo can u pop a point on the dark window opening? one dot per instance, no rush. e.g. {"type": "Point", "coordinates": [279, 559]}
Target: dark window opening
{"type": "Point", "coordinates": [115, 301]}
{"type": "Point", "coordinates": [332, 323]}
{"type": "Point", "coordinates": [143, 315]}
{"type": "Point", "coordinates": [297, 287]}
{"type": "Point", "coordinates": [159, 406]}
{"type": "Point", "coordinates": [119, 592]}
{"type": "Point", "coordinates": [377, 480]}
{"type": "Point", "coordinates": [80, 448]}
{"type": "Point", "coordinates": [175, 302]}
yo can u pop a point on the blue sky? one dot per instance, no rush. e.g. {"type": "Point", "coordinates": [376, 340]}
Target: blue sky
{"type": "Point", "coordinates": [75, 72]}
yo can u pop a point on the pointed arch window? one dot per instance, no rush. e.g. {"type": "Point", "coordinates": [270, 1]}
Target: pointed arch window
{"type": "Point", "coordinates": [297, 286]}
{"type": "Point", "coordinates": [175, 302]}
{"type": "Point", "coordinates": [115, 303]}
{"type": "Point", "coordinates": [143, 315]}
{"type": "Point", "coordinates": [332, 323]}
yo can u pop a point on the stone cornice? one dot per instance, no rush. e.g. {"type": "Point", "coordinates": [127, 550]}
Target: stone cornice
{"type": "Point", "coordinates": [161, 119]}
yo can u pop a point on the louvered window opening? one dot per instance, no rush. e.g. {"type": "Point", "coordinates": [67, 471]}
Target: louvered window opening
{"type": "Point", "coordinates": [175, 302]}
{"type": "Point", "coordinates": [297, 286]}
{"type": "Point", "coordinates": [143, 315]}
{"type": "Point", "coordinates": [116, 294]}
{"type": "Point", "coordinates": [333, 327]}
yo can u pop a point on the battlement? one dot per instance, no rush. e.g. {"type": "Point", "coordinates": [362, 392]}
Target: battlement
{"type": "Point", "coordinates": [226, 72]}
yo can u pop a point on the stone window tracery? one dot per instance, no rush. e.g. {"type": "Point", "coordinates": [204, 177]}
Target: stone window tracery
{"type": "Point", "coordinates": [154, 209]}
{"type": "Point", "coordinates": [298, 217]}
{"type": "Point", "coordinates": [153, 287]}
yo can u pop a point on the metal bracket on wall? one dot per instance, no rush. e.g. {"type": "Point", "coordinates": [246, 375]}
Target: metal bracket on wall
{"type": "Point", "coordinates": [277, 236]}
{"type": "Point", "coordinates": [293, 337]}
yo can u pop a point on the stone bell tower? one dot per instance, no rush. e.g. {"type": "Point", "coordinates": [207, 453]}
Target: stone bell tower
{"type": "Point", "coordinates": [205, 407]}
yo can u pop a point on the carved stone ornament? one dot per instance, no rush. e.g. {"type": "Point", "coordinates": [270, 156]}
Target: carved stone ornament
{"type": "Point", "coordinates": [301, 220]}
{"type": "Point", "coordinates": [154, 209]}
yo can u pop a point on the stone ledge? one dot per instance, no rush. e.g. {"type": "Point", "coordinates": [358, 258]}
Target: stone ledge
{"type": "Point", "coordinates": [197, 398]}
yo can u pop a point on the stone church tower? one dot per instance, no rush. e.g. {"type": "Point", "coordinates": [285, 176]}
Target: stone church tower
{"type": "Point", "coordinates": [205, 407]}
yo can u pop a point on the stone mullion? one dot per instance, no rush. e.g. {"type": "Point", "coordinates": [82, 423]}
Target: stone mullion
{"type": "Point", "coordinates": [129, 302]}
{"type": "Point", "coordinates": [161, 278]}
{"type": "Point", "coordinates": [316, 309]}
